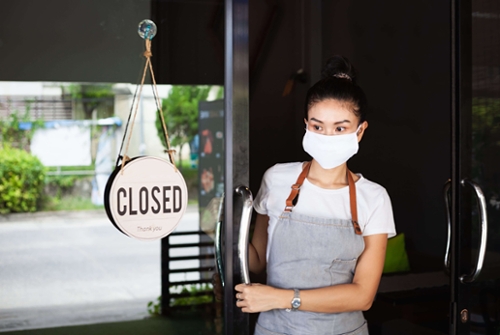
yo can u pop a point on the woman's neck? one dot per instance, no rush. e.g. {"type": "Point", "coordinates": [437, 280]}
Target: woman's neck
{"type": "Point", "coordinates": [331, 178]}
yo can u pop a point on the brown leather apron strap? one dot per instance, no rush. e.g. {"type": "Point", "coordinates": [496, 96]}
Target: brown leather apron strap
{"type": "Point", "coordinates": [352, 195]}
{"type": "Point", "coordinates": [353, 202]}
{"type": "Point", "coordinates": [296, 187]}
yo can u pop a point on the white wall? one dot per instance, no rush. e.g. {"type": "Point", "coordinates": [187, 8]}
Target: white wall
{"type": "Point", "coordinates": [144, 140]}
{"type": "Point", "coordinates": [29, 88]}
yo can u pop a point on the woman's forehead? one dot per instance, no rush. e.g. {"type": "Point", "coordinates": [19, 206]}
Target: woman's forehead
{"type": "Point", "coordinates": [332, 111]}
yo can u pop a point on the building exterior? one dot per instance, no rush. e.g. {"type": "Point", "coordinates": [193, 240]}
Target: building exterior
{"type": "Point", "coordinates": [430, 71]}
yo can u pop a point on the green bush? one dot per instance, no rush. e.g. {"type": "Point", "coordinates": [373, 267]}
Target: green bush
{"type": "Point", "coordinates": [12, 133]}
{"type": "Point", "coordinates": [21, 181]}
{"type": "Point", "coordinates": [199, 294]}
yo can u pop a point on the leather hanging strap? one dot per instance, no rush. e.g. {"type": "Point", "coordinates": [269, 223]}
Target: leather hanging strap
{"type": "Point", "coordinates": [353, 202]}
{"type": "Point", "coordinates": [352, 195]}
{"type": "Point", "coordinates": [296, 187]}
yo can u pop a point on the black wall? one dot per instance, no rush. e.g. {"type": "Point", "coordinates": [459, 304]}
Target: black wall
{"type": "Point", "coordinates": [78, 40]}
{"type": "Point", "coordinates": [190, 42]}
{"type": "Point", "coordinates": [402, 50]}
{"type": "Point", "coordinates": [402, 53]}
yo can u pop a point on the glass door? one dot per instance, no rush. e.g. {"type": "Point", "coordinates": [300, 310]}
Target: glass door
{"type": "Point", "coordinates": [85, 71]}
{"type": "Point", "coordinates": [238, 200]}
{"type": "Point", "coordinates": [475, 247]}
{"type": "Point", "coordinates": [206, 42]}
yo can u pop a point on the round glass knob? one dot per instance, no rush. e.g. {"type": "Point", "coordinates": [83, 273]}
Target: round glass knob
{"type": "Point", "coordinates": [147, 29]}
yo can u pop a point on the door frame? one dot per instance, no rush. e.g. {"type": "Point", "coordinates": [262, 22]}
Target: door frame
{"type": "Point", "coordinates": [461, 114]}
{"type": "Point", "coordinates": [236, 119]}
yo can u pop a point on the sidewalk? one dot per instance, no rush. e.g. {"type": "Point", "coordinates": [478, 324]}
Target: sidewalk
{"type": "Point", "coordinates": [73, 268]}
{"type": "Point", "coordinates": [187, 324]}
{"type": "Point", "coordinates": [46, 216]}
{"type": "Point", "coordinates": [67, 215]}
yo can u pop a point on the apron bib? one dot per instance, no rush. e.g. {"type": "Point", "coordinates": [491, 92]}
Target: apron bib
{"type": "Point", "coordinates": [309, 252]}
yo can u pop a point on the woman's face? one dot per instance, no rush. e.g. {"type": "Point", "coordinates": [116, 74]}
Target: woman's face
{"type": "Point", "coordinates": [333, 117]}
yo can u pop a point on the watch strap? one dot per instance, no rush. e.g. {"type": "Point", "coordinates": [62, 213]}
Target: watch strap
{"type": "Point", "coordinates": [296, 296]}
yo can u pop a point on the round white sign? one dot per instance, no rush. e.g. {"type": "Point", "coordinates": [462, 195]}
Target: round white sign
{"type": "Point", "coordinates": [147, 199]}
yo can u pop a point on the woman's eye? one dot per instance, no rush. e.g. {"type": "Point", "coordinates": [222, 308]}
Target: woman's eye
{"type": "Point", "coordinates": [316, 127]}
{"type": "Point", "coordinates": [340, 129]}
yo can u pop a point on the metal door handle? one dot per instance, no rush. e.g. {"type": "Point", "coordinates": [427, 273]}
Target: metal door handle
{"type": "Point", "coordinates": [246, 216]}
{"type": "Point", "coordinates": [484, 232]}
{"type": "Point", "coordinates": [446, 190]}
{"type": "Point", "coordinates": [218, 241]}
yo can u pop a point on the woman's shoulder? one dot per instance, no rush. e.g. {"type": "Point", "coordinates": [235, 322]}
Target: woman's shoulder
{"type": "Point", "coordinates": [277, 180]}
{"type": "Point", "coordinates": [370, 187]}
{"type": "Point", "coordinates": [284, 172]}
{"type": "Point", "coordinates": [291, 167]}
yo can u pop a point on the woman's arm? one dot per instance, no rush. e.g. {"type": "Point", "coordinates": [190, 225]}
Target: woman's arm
{"type": "Point", "coordinates": [357, 296]}
{"type": "Point", "coordinates": [257, 248]}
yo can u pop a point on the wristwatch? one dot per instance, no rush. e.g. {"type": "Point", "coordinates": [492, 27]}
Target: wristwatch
{"type": "Point", "coordinates": [295, 301]}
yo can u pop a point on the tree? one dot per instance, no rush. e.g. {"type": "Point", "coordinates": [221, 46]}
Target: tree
{"type": "Point", "coordinates": [17, 130]}
{"type": "Point", "coordinates": [90, 95]}
{"type": "Point", "coordinates": [180, 110]}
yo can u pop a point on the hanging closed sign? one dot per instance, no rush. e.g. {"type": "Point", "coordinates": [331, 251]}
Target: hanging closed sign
{"type": "Point", "coordinates": [146, 198]}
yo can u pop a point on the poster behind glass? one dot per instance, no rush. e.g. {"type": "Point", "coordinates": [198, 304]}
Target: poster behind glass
{"type": "Point", "coordinates": [210, 162]}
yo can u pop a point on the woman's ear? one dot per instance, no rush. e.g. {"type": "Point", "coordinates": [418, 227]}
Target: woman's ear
{"type": "Point", "coordinates": [361, 131]}
{"type": "Point", "coordinates": [305, 121]}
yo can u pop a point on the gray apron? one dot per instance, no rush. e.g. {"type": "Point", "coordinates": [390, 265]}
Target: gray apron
{"type": "Point", "coordinates": [309, 252]}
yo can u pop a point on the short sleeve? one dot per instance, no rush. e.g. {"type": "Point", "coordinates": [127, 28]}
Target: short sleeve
{"type": "Point", "coordinates": [260, 201]}
{"type": "Point", "coordinates": [381, 219]}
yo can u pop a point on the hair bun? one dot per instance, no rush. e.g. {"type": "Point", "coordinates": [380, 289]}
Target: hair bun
{"type": "Point", "coordinates": [339, 67]}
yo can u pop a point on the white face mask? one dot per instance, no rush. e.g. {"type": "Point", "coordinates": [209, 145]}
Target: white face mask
{"type": "Point", "coordinates": [330, 151]}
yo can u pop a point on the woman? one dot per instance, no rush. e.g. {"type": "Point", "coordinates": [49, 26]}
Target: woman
{"type": "Point", "coordinates": [324, 250]}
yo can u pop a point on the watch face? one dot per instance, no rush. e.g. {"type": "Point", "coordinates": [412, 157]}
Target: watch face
{"type": "Point", "coordinates": [296, 303]}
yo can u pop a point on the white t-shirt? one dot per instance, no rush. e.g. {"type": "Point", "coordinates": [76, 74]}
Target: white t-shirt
{"type": "Point", "coordinates": [374, 205]}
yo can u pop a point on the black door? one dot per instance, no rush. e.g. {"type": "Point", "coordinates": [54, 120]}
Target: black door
{"type": "Point", "coordinates": [475, 183]}
{"type": "Point", "coordinates": [238, 199]}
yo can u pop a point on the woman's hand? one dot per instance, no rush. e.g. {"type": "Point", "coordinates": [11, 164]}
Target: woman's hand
{"type": "Point", "coordinates": [256, 298]}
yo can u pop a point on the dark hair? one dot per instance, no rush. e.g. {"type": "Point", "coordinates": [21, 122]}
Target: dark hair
{"type": "Point", "coordinates": [338, 82]}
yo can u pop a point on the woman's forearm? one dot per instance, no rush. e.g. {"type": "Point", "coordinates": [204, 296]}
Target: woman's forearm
{"type": "Point", "coordinates": [355, 296]}
{"type": "Point", "coordinates": [336, 299]}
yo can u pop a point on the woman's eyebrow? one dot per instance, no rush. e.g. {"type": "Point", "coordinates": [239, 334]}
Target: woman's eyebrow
{"type": "Point", "coordinates": [314, 119]}
{"type": "Point", "coordinates": [338, 122]}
